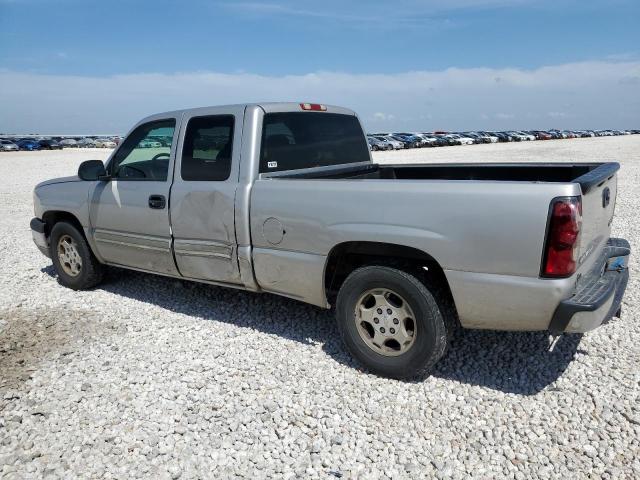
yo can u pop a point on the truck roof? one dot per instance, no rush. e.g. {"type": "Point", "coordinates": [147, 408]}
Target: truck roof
{"type": "Point", "coordinates": [268, 107]}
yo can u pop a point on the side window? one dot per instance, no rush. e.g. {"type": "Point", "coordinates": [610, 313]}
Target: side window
{"type": "Point", "coordinates": [208, 144]}
{"type": "Point", "coordinates": [144, 154]}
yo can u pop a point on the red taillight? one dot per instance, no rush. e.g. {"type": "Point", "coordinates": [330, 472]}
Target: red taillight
{"type": "Point", "coordinates": [563, 237]}
{"type": "Point", "coordinates": [314, 107]}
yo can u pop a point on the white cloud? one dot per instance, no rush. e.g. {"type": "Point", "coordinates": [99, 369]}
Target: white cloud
{"type": "Point", "coordinates": [591, 94]}
{"type": "Point", "coordinates": [387, 15]}
{"type": "Point", "coordinates": [383, 116]}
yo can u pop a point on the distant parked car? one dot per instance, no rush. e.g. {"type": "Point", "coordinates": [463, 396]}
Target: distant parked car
{"type": "Point", "coordinates": [517, 136]}
{"type": "Point", "coordinates": [474, 140]}
{"type": "Point", "coordinates": [476, 137]}
{"type": "Point", "coordinates": [375, 144]}
{"type": "Point", "coordinates": [69, 142]}
{"type": "Point", "coordinates": [502, 136]}
{"type": "Point", "coordinates": [555, 134]}
{"type": "Point", "coordinates": [164, 141]}
{"type": "Point", "coordinates": [493, 138]}
{"type": "Point", "coordinates": [408, 143]}
{"type": "Point", "coordinates": [396, 144]}
{"type": "Point", "coordinates": [422, 139]}
{"type": "Point", "coordinates": [540, 135]}
{"type": "Point", "coordinates": [49, 145]}
{"type": "Point", "coordinates": [527, 135]}
{"type": "Point", "coordinates": [461, 139]}
{"type": "Point", "coordinates": [429, 140]}
{"type": "Point", "coordinates": [87, 143]}
{"type": "Point", "coordinates": [415, 140]}
{"type": "Point", "coordinates": [8, 146]}
{"type": "Point", "coordinates": [583, 134]}
{"type": "Point", "coordinates": [149, 144]}
{"type": "Point", "coordinates": [105, 144]}
{"type": "Point", "coordinates": [29, 145]}
{"type": "Point", "coordinates": [483, 137]}
{"type": "Point", "coordinates": [443, 141]}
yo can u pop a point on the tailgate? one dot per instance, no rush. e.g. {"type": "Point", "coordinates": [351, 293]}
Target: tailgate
{"type": "Point", "coordinates": [598, 203]}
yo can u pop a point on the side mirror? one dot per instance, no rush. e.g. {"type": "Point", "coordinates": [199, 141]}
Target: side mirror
{"type": "Point", "coordinates": [92, 170]}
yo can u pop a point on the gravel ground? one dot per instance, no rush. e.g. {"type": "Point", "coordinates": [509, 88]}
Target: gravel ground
{"type": "Point", "coordinates": [152, 377]}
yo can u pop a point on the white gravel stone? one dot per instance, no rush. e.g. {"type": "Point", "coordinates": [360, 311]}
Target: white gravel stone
{"type": "Point", "coordinates": [149, 377]}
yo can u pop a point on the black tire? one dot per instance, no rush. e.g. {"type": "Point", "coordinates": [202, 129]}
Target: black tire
{"type": "Point", "coordinates": [431, 330]}
{"type": "Point", "coordinates": [91, 272]}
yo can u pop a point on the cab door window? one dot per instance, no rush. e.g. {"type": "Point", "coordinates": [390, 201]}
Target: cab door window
{"type": "Point", "coordinates": [145, 153]}
{"type": "Point", "coordinates": [208, 147]}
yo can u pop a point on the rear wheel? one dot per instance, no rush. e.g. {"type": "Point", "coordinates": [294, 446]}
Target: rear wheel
{"type": "Point", "coordinates": [73, 260]}
{"type": "Point", "coordinates": [391, 322]}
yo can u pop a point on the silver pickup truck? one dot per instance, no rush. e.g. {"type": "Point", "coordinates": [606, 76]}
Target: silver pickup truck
{"type": "Point", "coordinates": [284, 198]}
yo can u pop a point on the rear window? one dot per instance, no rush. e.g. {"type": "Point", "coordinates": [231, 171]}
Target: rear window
{"type": "Point", "coordinates": [296, 140]}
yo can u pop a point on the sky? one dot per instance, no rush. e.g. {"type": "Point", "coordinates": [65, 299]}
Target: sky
{"type": "Point", "coordinates": [71, 66]}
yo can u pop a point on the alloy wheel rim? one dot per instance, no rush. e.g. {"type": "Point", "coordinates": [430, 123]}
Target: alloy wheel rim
{"type": "Point", "coordinates": [68, 256]}
{"type": "Point", "coordinates": [385, 322]}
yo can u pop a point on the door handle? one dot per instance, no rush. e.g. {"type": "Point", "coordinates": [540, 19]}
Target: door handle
{"type": "Point", "coordinates": [157, 202]}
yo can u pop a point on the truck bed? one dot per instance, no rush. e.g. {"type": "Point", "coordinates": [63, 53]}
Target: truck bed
{"type": "Point", "coordinates": [586, 174]}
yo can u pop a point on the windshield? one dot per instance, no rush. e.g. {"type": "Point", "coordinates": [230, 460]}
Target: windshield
{"type": "Point", "coordinates": [295, 140]}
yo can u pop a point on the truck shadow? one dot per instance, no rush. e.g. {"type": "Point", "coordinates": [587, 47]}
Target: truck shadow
{"type": "Point", "coordinates": [509, 362]}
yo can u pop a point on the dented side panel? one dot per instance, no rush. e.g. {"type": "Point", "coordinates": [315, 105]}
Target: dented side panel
{"type": "Point", "coordinates": [202, 212]}
{"type": "Point", "coordinates": [204, 232]}
{"type": "Point", "coordinates": [292, 274]}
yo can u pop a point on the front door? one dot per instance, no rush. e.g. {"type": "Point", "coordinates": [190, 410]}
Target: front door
{"type": "Point", "coordinates": [130, 213]}
{"type": "Point", "coordinates": [203, 195]}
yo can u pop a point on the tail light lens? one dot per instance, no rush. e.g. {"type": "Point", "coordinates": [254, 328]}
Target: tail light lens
{"type": "Point", "coordinates": [563, 237]}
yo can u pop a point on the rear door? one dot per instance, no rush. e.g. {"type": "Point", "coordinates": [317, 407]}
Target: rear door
{"type": "Point", "coordinates": [130, 213]}
{"type": "Point", "coordinates": [203, 194]}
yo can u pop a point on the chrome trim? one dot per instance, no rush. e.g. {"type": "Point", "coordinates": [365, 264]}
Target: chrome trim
{"type": "Point", "coordinates": [202, 248]}
{"type": "Point", "coordinates": [194, 253]}
{"type": "Point", "coordinates": [98, 231]}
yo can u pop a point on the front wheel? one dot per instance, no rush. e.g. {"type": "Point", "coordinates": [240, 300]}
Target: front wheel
{"type": "Point", "coordinates": [73, 260]}
{"type": "Point", "coordinates": [391, 322]}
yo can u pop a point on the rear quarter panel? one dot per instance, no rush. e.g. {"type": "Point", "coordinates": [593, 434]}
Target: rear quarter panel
{"type": "Point", "coordinates": [467, 226]}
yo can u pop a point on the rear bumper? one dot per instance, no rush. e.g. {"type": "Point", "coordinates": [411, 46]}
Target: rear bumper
{"type": "Point", "coordinates": [598, 295]}
{"type": "Point", "coordinates": [39, 237]}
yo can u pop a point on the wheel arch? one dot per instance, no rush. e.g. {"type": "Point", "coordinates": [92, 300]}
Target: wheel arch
{"type": "Point", "coordinates": [51, 217]}
{"type": "Point", "coordinates": [345, 257]}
